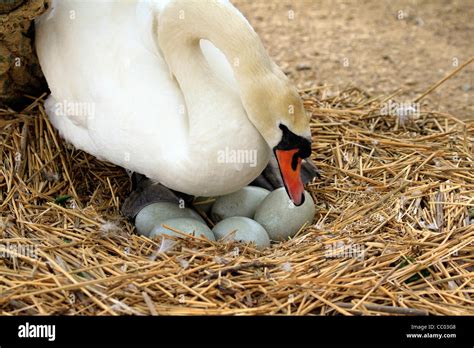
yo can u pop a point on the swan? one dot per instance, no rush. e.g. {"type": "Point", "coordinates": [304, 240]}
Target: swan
{"type": "Point", "coordinates": [177, 90]}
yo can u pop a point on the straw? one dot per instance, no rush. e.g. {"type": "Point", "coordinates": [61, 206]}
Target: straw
{"type": "Point", "coordinates": [393, 233]}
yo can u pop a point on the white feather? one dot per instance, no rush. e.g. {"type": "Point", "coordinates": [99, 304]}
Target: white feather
{"type": "Point", "coordinates": [105, 57]}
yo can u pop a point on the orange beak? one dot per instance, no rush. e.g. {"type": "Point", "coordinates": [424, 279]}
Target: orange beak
{"type": "Point", "coordinates": [290, 166]}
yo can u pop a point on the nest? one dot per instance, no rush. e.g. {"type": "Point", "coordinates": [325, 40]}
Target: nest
{"type": "Point", "coordinates": [393, 233]}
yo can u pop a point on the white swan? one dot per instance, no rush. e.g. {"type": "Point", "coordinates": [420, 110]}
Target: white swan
{"type": "Point", "coordinates": [168, 89]}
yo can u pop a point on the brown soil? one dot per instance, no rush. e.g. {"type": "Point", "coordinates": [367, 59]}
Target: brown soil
{"type": "Point", "coordinates": [365, 44]}
{"type": "Point", "coordinates": [20, 72]}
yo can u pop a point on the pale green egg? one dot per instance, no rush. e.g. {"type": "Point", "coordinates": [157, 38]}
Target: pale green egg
{"type": "Point", "coordinates": [153, 214]}
{"type": "Point", "coordinates": [240, 203]}
{"type": "Point", "coordinates": [280, 217]}
{"type": "Point", "coordinates": [185, 225]}
{"type": "Point", "coordinates": [242, 229]}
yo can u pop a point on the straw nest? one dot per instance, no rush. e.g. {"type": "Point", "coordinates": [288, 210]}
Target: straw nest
{"type": "Point", "coordinates": [393, 233]}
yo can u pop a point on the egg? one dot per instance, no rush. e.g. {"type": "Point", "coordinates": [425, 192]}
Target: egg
{"type": "Point", "coordinates": [246, 230]}
{"type": "Point", "coordinates": [240, 203]}
{"type": "Point", "coordinates": [185, 225]}
{"type": "Point", "coordinates": [153, 214]}
{"type": "Point", "coordinates": [280, 217]}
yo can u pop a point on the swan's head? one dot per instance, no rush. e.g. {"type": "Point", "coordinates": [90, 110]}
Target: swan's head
{"type": "Point", "coordinates": [275, 108]}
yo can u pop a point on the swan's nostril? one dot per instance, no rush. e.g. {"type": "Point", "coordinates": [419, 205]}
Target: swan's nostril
{"type": "Point", "coordinates": [294, 161]}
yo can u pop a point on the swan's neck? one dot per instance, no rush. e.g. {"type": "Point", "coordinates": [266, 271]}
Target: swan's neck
{"type": "Point", "coordinates": [182, 24]}
{"type": "Point", "coordinates": [216, 113]}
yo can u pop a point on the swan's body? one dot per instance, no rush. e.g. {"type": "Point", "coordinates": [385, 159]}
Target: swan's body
{"type": "Point", "coordinates": [133, 83]}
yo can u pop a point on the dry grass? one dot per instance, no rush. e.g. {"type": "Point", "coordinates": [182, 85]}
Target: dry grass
{"type": "Point", "coordinates": [392, 233]}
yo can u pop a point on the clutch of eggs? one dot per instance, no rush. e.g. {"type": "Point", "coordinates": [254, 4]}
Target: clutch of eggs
{"type": "Point", "coordinates": [250, 215]}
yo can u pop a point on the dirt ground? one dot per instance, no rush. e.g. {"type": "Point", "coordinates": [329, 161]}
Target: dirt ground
{"type": "Point", "coordinates": [377, 45]}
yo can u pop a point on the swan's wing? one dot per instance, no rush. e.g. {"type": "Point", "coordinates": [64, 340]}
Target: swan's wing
{"type": "Point", "coordinates": [95, 65]}
{"type": "Point", "coordinates": [61, 32]}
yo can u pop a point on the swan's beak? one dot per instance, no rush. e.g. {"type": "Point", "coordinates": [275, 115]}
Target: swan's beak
{"type": "Point", "coordinates": [290, 165]}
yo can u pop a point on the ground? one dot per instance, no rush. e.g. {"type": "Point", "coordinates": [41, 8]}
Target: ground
{"type": "Point", "coordinates": [377, 45]}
